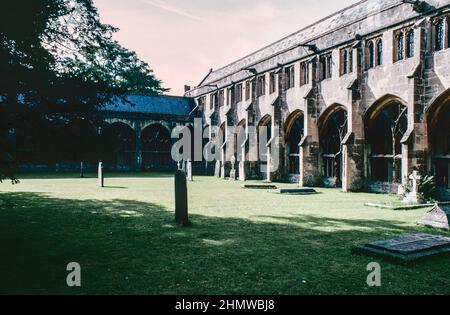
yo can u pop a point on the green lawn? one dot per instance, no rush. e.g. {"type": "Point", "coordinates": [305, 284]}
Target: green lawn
{"type": "Point", "coordinates": [240, 242]}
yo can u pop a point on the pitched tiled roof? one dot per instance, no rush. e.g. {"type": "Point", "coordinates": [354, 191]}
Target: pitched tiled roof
{"type": "Point", "coordinates": [352, 14]}
{"type": "Point", "coordinates": [162, 105]}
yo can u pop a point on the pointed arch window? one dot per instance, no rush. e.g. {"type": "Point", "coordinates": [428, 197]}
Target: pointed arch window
{"type": "Point", "coordinates": [326, 66]}
{"type": "Point", "coordinates": [439, 34]}
{"type": "Point", "coordinates": [379, 52]}
{"type": "Point", "coordinates": [410, 44]}
{"type": "Point", "coordinates": [370, 55]}
{"type": "Point", "coordinates": [304, 73]}
{"type": "Point", "coordinates": [346, 64]}
{"type": "Point", "coordinates": [400, 46]}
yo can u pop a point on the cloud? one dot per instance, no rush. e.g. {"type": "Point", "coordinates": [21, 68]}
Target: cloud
{"type": "Point", "coordinates": [172, 9]}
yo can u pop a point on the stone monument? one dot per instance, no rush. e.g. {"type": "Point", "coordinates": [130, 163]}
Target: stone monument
{"type": "Point", "coordinates": [414, 196]}
{"type": "Point", "coordinates": [438, 217]}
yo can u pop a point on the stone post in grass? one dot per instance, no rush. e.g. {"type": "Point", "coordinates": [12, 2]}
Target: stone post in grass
{"type": "Point", "coordinates": [81, 170]}
{"type": "Point", "coordinates": [101, 175]}
{"type": "Point", "coordinates": [181, 199]}
{"type": "Point", "coordinates": [189, 171]}
{"type": "Point", "coordinates": [233, 175]}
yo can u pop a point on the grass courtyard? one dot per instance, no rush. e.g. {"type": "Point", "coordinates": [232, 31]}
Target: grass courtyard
{"type": "Point", "coordinates": [240, 242]}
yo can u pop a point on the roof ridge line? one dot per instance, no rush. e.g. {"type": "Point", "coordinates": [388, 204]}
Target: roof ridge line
{"type": "Point", "coordinates": [292, 34]}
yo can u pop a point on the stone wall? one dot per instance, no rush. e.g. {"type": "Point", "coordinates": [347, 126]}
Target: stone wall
{"type": "Point", "coordinates": [415, 82]}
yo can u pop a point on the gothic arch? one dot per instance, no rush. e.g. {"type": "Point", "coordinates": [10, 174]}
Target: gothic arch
{"type": "Point", "coordinates": [386, 122]}
{"type": "Point", "coordinates": [438, 118]}
{"type": "Point", "coordinates": [381, 103]}
{"type": "Point", "coordinates": [326, 115]}
{"type": "Point", "coordinates": [294, 131]}
{"type": "Point", "coordinates": [118, 145]}
{"type": "Point", "coordinates": [333, 126]}
{"type": "Point", "coordinates": [156, 147]}
{"type": "Point", "coordinates": [162, 124]}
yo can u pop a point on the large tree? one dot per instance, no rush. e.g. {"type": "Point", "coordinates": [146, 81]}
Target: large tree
{"type": "Point", "coordinates": [58, 62]}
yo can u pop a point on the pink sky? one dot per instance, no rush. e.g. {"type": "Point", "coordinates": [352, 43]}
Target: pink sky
{"type": "Point", "coordinates": [183, 39]}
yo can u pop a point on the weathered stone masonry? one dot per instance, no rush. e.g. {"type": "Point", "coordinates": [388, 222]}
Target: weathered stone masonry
{"type": "Point", "coordinates": [367, 90]}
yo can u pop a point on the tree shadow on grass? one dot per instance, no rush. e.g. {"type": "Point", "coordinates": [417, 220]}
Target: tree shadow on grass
{"type": "Point", "coordinates": [131, 247]}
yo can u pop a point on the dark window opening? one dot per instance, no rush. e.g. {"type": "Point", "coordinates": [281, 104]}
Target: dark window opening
{"type": "Point", "coordinates": [439, 35]}
{"type": "Point", "coordinates": [293, 150]}
{"type": "Point", "coordinates": [261, 86]}
{"type": "Point", "coordinates": [272, 87]}
{"type": "Point", "coordinates": [410, 44]}
{"type": "Point", "coordinates": [304, 73]}
{"type": "Point", "coordinates": [384, 134]}
{"type": "Point", "coordinates": [331, 137]}
{"type": "Point", "coordinates": [289, 75]}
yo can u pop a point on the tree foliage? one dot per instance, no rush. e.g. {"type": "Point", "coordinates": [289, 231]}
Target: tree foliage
{"type": "Point", "coordinates": [59, 62]}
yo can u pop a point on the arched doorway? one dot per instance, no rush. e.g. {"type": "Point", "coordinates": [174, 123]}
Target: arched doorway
{"type": "Point", "coordinates": [333, 126]}
{"type": "Point", "coordinates": [439, 139]}
{"type": "Point", "coordinates": [294, 134]}
{"type": "Point", "coordinates": [156, 148]}
{"type": "Point", "coordinates": [85, 148]}
{"type": "Point", "coordinates": [264, 136]}
{"type": "Point", "coordinates": [119, 145]}
{"type": "Point", "coordinates": [386, 123]}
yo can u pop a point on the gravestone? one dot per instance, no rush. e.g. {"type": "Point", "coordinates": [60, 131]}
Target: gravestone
{"type": "Point", "coordinates": [233, 175]}
{"type": "Point", "coordinates": [294, 191]}
{"type": "Point", "coordinates": [409, 247]}
{"type": "Point", "coordinates": [217, 169]}
{"type": "Point", "coordinates": [101, 176]}
{"type": "Point", "coordinates": [414, 196]}
{"type": "Point", "coordinates": [259, 186]}
{"type": "Point", "coordinates": [242, 177]}
{"type": "Point", "coordinates": [181, 199]}
{"type": "Point", "coordinates": [438, 217]}
{"type": "Point", "coordinates": [189, 171]}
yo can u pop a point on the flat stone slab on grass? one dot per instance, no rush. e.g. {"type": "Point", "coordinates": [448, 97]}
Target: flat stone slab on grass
{"type": "Point", "coordinates": [438, 217]}
{"type": "Point", "coordinates": [295, 191]}
{"type": "Point", "coordinates": [259, 186]}
{"type": "Point", "coordinates": [409, 247]}
{"type": "Point", "coordinates": [395, 206]}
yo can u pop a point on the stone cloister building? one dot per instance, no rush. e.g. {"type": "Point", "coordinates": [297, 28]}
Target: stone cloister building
{"type": "Point", "coordinates": [361, 98]}
{"type": "Point", "coordinates": [127, 136]}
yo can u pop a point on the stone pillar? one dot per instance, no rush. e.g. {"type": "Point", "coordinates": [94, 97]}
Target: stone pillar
{"type": "Point", "coordinates": [354, 155]}
{"type": "Point", "coordinates": [310, 149]}
{"type": "Point", "coordinates": [138, 153]}
{"type": "Point", "coordinates": [222, 163]}
{"type": "Point", "coordinates": [242, 159]}
{"type": "Point", "coordinates": [353, 178]}
{"type": "Point", "coordinates": [415, 142]}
